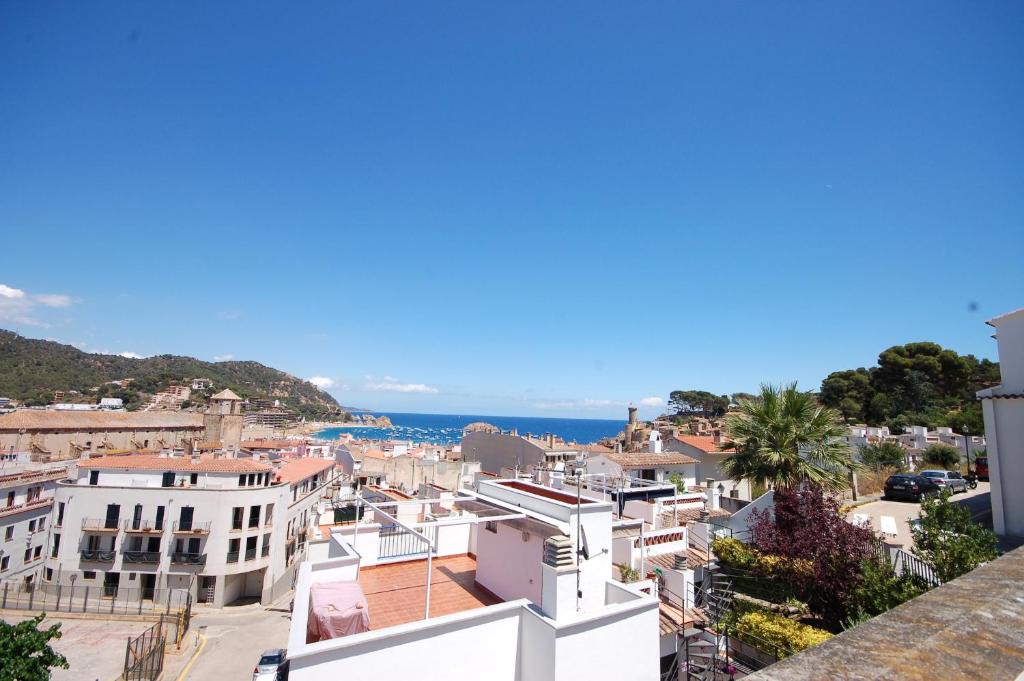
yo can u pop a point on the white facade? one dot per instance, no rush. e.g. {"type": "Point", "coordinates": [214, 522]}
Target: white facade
{"type": "Point", "coordinates": [545, 630]}
{"type": "Point", "coordinates": [218, 532]}
{"type": "Point", "coordinates": [26, 499]}
{"type": "Point", "coordinates": [1003, 409]}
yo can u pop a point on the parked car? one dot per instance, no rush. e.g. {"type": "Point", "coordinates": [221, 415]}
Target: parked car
{"type": "Point", "coordinates": [270, 664]}
{"type": "Point", "coordinates": [909, 486]}
{"type": "Point", "coordinates": [951, 480]}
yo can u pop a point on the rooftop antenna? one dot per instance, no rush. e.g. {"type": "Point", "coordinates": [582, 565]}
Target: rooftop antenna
{"type": "Point", "coordinates": [580, 463]}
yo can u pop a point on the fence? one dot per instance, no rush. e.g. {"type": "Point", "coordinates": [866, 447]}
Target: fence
{"type": "Point", "coordinates": [396, 541]}
{"type": "Point", "coordinates": [144, 655]}
{"type": "Point", "coordinates": [904, 562]}
{"type": "Point", "coordinates": [101, 600]}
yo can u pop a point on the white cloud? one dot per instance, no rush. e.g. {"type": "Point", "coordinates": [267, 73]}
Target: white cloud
{"type": "Point", "coordinates": [130, 355]}
{"type": "Point", "coordinates": [652, 402]}
{"type": "Point", "coordinates": [321, 382]}
{"type": "Point", "coordinates": [18, 307]}
{"type": "Point", "coordinates": [591, 403]}
{"type": "Point", "coordinates": [223, 358]}
{"type": "Point", "coordinates": [391, 384]}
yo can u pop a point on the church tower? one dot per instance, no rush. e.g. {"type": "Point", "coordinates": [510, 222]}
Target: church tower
{"type": "Point", "coordinates": [223, 420]}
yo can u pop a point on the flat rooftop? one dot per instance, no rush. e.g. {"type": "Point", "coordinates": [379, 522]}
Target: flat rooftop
{"type": "Point", "coordinates": [395, 593]}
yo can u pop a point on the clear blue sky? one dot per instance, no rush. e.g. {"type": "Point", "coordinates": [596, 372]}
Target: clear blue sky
{"type": "Point", "coordinates": [517, 208]}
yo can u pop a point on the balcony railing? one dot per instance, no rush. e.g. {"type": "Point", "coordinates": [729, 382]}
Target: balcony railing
{"type": "Point", "coordinates": [265, 551]}
{"type": "Point", "coordinates": [141, 556]}
{"type": "Point", "coordinates": [188, 558]}
{"type": "Point", "coordinates": [96, 554]}
{"type": "Point", "coordinates": [100, 524]}
{"type": "Point", "coordinates": [232, 556]}
{"type": "Point", "coordinates": [142, 526]}
{"type": "Point", "coordinates": [191, 527]}
{"type": "Point", "coordinates": [250, 554]}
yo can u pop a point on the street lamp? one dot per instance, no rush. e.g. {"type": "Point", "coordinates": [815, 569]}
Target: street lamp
{"type": "Point", "coordinates": [967, 447]}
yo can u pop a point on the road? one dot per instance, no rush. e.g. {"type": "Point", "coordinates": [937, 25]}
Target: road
{"type": "Point", "coordinates": [977, 500]}
{"type": "Point", "coordinates": [234, 639]}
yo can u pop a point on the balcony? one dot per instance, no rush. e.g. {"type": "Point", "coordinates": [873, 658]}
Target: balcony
{"type": "Point", "coordinates": [141, 556]}
{"type": "Point", "coordinates": [143, 527]}
{"type": "Point", "coordinates": [96, 554]}
{"type": "Point", "coordinates": [250, 554]}
{"type": "Point", "coordinates": [232, 557]}
{"type": "Point", "coordinates": [100, 524]}
{"type": "Point", "coordinates": [188, 558]}
{"type": "Point", "coordinates": [191, 527]}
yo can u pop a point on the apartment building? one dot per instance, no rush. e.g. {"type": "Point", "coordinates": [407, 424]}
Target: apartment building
{"type": "Point", "coordinates": [220, 528]}
{"type": "Point", "coordinates": [513, 582]}
{"type": "Point", "coordinates": [26, 499]}
{"type": "Point", "coordinates": [497, 451]}
{"type": "Point", "coordinates": [1003, 409]}
{"type": "Point", "coordinates": [710, 451]}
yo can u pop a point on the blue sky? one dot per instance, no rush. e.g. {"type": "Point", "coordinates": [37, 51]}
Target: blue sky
{"type": "Point", "coordinates": [525, 208]}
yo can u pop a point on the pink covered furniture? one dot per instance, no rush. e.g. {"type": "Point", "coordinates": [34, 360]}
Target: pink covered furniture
{"type": "Point", "coordinates": [336, 609]}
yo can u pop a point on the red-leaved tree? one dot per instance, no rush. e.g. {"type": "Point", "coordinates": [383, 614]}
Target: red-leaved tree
{"type": "Point", "coordinates": [808, 525]}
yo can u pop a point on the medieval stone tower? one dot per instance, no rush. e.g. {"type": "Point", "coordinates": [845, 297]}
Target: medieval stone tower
{"type": "Point", "coordinates": [223, 420]}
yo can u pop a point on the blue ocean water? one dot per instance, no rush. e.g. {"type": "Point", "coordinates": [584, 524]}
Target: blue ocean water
{"type": "Point", "coordinates": [447, 428]}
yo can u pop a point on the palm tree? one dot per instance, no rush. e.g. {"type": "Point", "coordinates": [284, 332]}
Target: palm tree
{"type": "Point", "coordinates": [785, 438]}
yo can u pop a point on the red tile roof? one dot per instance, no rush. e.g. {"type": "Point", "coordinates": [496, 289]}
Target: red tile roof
{"type": "Point", "coordinates": [297, 470]}
{"type": "Point", "coordinates": [706, 444]}
{"type": "Point", "coordinates": [148, 462]}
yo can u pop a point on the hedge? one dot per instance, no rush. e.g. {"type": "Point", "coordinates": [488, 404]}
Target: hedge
{"type": "Point", "coordinates": [789, 637]}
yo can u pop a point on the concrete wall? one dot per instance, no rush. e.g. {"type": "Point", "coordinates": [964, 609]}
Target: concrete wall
{"type": "Point", "coordinates": [496, 451]}
{"type": "Point", "coordinates": [507, 566]}
{"type": "Point", "coordinates": [1004, 428]}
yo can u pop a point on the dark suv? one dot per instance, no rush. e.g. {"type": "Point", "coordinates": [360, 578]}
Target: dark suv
{"type": "Point", "coordinates": [909, 486]}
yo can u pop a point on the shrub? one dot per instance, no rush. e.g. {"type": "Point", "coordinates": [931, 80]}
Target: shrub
{"type": "Point", "coordinates": [880, 589]}
{"type": "Point", "coordinates": [734, 553]}
{"type": "Point", "coordinates": [943, 456]}
{"type": "Point", "coordinates": [949, 541]}
{"type": "Point", "coordinates": [788, 637]}
{"type": "Point", "coordinates": [628, 574]}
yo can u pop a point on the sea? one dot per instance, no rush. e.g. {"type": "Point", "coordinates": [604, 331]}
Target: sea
{"type": "Point", "coordinates": [443, 429]}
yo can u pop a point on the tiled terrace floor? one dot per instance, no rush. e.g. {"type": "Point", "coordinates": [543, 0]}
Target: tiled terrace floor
{"type": "Point", "coordinates": [395, 592]}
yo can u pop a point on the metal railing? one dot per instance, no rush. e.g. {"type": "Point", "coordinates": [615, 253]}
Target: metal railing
{"type": "Point", "coordinates": [140, 556]}
{"type": "Point", "coordinates": [191, 527]}
{"type": "Point", "coordinates": [101, 524]}
{"type": "Point", "coordinates": [183, 558]}
{"type": "Point", "coordinates": [232, 557]}
{"type": "Point", "coordinates": [144, 655]}
{"type": "Point", "coordinates": [250, 554]}
{"type": "Point", "coordinates": [98, 599]}
{"type": "Point", "coordinates": [98, 554]}
{"type": "Point", "coordinates": [396, 541]}
{"type": "Point", "coordinates": [265, 551]}
{"type": "Point", "coordinates": [142, 526]}
{"type": "Point", "coordinates": [904, 562]}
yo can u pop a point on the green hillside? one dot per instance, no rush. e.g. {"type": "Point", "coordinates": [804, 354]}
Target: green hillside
{"type": "Point", "coordinates": [30, 370]}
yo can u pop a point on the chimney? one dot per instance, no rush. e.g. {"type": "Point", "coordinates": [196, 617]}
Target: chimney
{"type": "Point", "coordinates": [716, 436]}
{"type": "Point", "coordinates": [714, 495]}
{"type": "Point", "coordinates": [551, 440]}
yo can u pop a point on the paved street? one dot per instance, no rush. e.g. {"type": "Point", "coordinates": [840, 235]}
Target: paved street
{"type": "Point", "coordinates": [977, 500]}
{"type": "Point", "coordinates": [234, 639]}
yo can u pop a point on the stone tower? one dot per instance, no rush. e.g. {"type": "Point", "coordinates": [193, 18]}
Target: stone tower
{"type": "Point", "coordinates": [630, 429]}
{"type": "Point", "coordinates": [223, 420]}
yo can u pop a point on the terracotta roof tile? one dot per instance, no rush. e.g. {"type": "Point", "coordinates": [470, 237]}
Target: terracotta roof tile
{"type": "Point", "coordinates": [297, 470]}
{"type": "Point", "coordinates": [705, 443]}
{"type": "Point", "coordinates": [147, 462]}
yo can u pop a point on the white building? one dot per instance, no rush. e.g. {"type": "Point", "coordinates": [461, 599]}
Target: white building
{"type": "Point", "coordinates": [26, 499]}
{"type": "Point", "coordinates": [710, 451]}
{"type": "Point", "coordinates": [220, 528]}
{"type": "Point", "coordinates": [498, 452]}
{"type": "Point", "coordinates": [1003, 408]}
{"type": "Point", "coordinates": [518, 586]}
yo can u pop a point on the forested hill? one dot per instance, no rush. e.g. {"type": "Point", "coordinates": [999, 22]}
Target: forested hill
{"type": "Point", "coordinates": [31, 369]}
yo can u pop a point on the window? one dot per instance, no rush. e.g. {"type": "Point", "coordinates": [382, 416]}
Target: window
{"type": "Point", "coordinates": [266, 545]}
{"type": "Point", "coordinates": [60, 513]}
{"type": "Point", "coordinates": [28, 555]}
{"type": "Point", "coordinates": [5, 563]}
{"type": "Point", "coordinates": [56, 546]}
{"type": "Point", "coordinates": [113, 515]}
{"type": "Point", "coordinates": [31, 526]}
{"type": "Point", "coordinates": [254, 516]}
{"type": "Point", "coordinates": [42, 523]}
{"type": "Point", "coordinates": [89, 574]}
{"type": "Point", "coordinates": [137, 517]}
{"type": "Point", "coordinates": [241, 480]}
{"type": "Point", "coordinates": [10, 498]}
{"type": "Point", "coordinates": [236, 517]}
{"type": "Point", "coordinates": [193, 479]}
{"type": "Point", "coordinates": [94, 477]}
{"type": "Point", "coordinates": [49, 574]}
{"type": "Point", "coordinates": [34, 494]}
{"type": "Point", "coordinates": [268, 519]}
{"type": "Point", "coordinates": [491, 526]}
{"type": "Point", "coordinates": [38, 551]}
{"type": "Point", "coordinates": [9, 533]}
{"type": "Point", "coordinates": [167, 480]}
{"type": "Point", "coordinates": [159, 524]}
{"type": "Point", "coordinates": [185, 518]}
{"type": "Point", "coordinates": [250, 548]}
{"type": "Point", "coordinates": [252, 479]}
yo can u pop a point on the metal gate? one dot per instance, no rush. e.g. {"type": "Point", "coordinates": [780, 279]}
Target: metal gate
{"type": "Point", "coordinates": [144, 655]}
{"type": "Point", "coordinates": [396, 541]}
